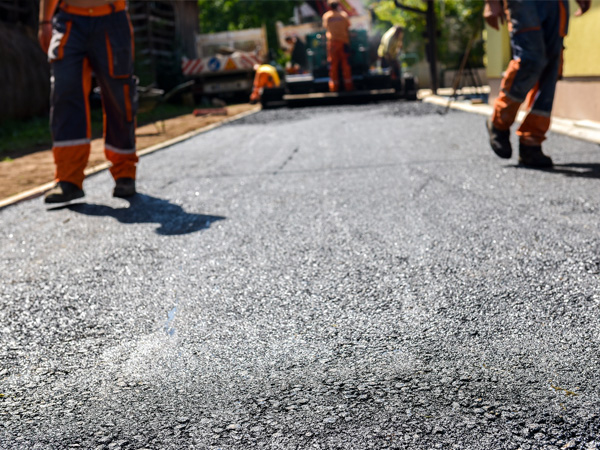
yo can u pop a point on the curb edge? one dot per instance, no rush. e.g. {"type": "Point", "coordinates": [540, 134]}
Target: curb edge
{"type": "Point", "coordinates": [40, 190]}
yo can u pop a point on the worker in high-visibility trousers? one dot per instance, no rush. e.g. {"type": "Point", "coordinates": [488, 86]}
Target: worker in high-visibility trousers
{"type": "Point", "coordinates": [537, 29]}
{"type": "Point", "coordinates": [337, 26]}
{"type": "Point", "coordinates": [266, 77]}
{"type": "Point", "coordinates": [87, 36]}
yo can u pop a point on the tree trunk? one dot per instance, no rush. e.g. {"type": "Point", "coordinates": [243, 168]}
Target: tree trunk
{"type": "Point", "coordinates": [186, 19]}
{"type": "Point", "coordinates": [24, 74]}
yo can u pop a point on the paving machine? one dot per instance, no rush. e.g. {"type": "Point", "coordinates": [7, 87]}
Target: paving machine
{"type": "Point", "coordinates": [312, 88]}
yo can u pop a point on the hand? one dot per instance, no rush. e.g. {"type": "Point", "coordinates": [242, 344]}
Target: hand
{"type": "Point", "coordinates": [493, 13]}
{"type": "Point", "coordinates": [45, 35]}
{"type": "Point", "coordinates": [584, 5]}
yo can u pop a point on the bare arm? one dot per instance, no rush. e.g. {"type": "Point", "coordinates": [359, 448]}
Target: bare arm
{"type": "Point", "coordinates": [584, 5]}
{"type": "Point", "coordinates": [493, 13]}
{"type": "Point", "coordinates": [47, 8]}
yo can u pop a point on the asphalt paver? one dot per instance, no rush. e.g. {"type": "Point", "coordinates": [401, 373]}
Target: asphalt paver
{"type": "Point", "coordinates": [357, 277]}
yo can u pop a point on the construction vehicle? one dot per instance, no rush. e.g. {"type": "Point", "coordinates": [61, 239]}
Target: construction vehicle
{"type": "Point", "coordinates": [312, 88]}
{"type": "Point", "coordinates": [225, 64]}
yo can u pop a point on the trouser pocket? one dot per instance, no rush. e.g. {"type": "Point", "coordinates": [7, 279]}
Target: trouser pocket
{"type": "Point", "coordinates": [119, 47]}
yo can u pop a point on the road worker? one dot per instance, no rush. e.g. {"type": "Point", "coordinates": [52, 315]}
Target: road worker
{"type": "Point", "coordinates": [297, 49]}
{"type": "Point", "coordinates": [266, 77]}
{"type": "Point", "coordinates": [537, 29]}
{"type": "Point", "coordinates": [86, 36]}
{"type": "Point", "coordinates": [389, 49]}
{"type": "Point", "coordinates": [337, 25]}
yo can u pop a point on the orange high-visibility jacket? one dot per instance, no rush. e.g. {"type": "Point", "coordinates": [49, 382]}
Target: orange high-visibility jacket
{"type": "Point", "coordinates": [337, 25]}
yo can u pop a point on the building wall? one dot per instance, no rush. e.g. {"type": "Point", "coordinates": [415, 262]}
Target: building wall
{"type": "Point", "coordinates": [581, 70]}
{"type": "Point", "coordinates": [582, 44]}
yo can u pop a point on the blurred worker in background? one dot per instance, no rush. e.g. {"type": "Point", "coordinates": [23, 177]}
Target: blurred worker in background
{"type": "Point", "coordinates": [537, 29]}
{"type": "Point", "coordinates": [337, 24]}
{"type": "Point", "coordinates": [297, 51]}
{"type": "Point", "coordinates": [86, 36]}
{"type": "Point", "coordinates": [266, 77]}
{"type": "Point", "coordinates": [389, 49]}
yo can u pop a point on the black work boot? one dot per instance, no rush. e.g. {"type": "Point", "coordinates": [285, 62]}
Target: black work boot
{"type": "Point", "coordinates": [499, 140]}
{"type": "Point", "coordinates": [63, 192]}
{"type": "Point", "coordinates": [124, 187]}
{"type": "Point", "coordinates": [532, 156]}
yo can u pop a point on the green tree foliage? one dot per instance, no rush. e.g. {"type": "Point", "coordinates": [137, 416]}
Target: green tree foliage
{"type": "Point", "coordinates": [231, 15]}
{"type": "Point", "coordinates": [457, 22]}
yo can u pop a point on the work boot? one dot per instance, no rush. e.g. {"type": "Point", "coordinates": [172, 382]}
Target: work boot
{"type": "Point", "coordinates": [532, 156]}
{"type": "Point", "coordinates": [124, 187]}
{"type": "Point", "coordinates": [499, 140]}
{"type": "Point", "coordinates": [63, 192]}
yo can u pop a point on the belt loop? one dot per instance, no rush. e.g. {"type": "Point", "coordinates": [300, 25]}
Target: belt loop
{"type": "Point", "coordinates": [112, 8]}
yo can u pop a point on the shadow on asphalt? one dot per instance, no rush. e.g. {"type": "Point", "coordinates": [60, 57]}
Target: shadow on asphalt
{"type": "Point", "coordinates": [579, 170]}
{"type": "Point", "coordinates": [143, 208]}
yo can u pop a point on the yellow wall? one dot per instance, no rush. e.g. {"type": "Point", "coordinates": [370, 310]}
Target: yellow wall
{"type": "Point", "coordinates": [582, 45]}
{"type": "Point", "coordinates": [582, 54]}
{"type": "Point", "coordinates": [497, 49]}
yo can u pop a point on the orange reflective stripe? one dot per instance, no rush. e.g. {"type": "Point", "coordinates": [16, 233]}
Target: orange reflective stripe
{"type": "Point", "coordinates": [127, 103]}
{"type": "Point", "coordinates": [61, 47]}
{"type": "Point", "coordinates": [562, 29]}
{"type": "Point", "coordinates": [95, 11]}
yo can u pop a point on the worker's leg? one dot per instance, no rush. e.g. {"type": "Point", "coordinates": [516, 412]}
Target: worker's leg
{"type": "Point", "coordinates": [527, 65]}
{"type": "Point", "coordinates": [111, 56]}
{"type": "Point", "coordinates": [334, 54]}
{"type": "Point", "coordinates": [346, 69]}
{"type": "Point", "coordinates": [533, 130]}
{"type": "Point", "coordinates": [537, 122]}
{"type": "Point", "coordinates": [70, 112]}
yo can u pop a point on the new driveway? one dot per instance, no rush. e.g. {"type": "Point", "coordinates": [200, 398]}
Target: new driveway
{"type": "Point", "coordinates": [332, 278]}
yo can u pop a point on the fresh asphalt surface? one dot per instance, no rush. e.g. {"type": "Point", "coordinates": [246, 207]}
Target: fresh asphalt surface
{"type": "Point", "coordinates": [331, 278]}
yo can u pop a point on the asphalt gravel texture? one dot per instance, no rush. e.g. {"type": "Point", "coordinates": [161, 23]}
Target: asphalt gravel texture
{"type": "Point", "coordinates": [356, 277]}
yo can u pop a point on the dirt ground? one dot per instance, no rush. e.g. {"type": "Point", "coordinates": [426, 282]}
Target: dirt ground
{"type": "Point", "coordinates": [35, 169]}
